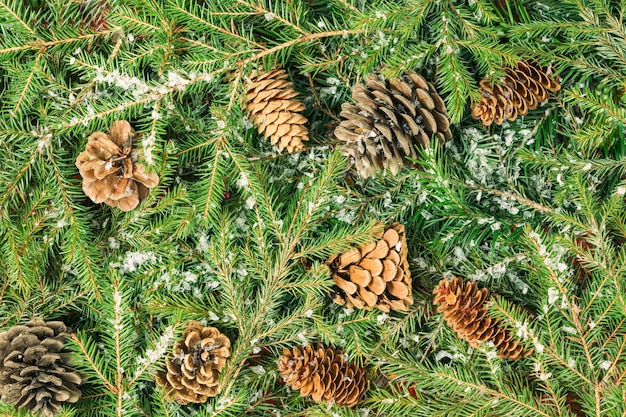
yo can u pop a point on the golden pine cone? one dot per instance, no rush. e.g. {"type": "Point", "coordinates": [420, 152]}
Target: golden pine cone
{"type": "Point", "coordinates": [522, 89]}
{"type": "Point", "coordinates": [272, 107]}
{"type": "Point", "coordinates": [110, 171]}
{"type": "Point", "coordinates": [35, 370]}
{"type": "Point", "coordinates": [376, 274]}
{"type": "Point", "coordinates": [388, 118]}
{"type": "Point", "coordinates": [463, 308]}
{"type": "Point", "coordinates": [323, 374]}
{"type": "Point", "coordinates": [194, 367]}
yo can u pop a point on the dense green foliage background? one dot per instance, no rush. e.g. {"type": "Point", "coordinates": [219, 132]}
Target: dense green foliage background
{"type": "Point", "coordinates": [236, 234]}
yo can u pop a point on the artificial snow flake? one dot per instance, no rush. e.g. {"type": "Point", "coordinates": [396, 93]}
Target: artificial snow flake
{"type": "Point", "coordinates": [133, 260]}
{"type": "Point", "coordinates": [148, 147]}
{"type": "Point", "coordinates": [259, 370]}
{"type": "Point", "coordinates": [553, 295]}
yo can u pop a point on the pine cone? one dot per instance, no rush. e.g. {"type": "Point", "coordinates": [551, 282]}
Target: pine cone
{"type": "Point", "coordinates": [323, 374]}
{"type": "Point", "coordinates": [35, 370]}
{"type": "Point", "coordinates": [387, 120]}
{"type": "Point", "coordinates": [463, 308]}
{"type": "Point", "coordinates": [376, 274]}
{"type": "Point", "coordinates": [110, 171]}
{"type": "Point", "coordinates": [272, 107]}
{"type": "Point", "coordinates": [194, 367]}
{"type": "Point", "coordinates": [521, 90]}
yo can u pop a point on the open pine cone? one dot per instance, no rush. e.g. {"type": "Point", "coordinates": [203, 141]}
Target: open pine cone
{"type": "Point", "coordinates": [522, 89]}
{"type": "Point", "coordinates": [274, 110]}
{"type": "Point", "coordinates": [194, 367]}
{"type": "Point", "coordinates": [35, 370]}
{"type": "Point", "coordinates": [388, 118]}
{"type": "Point", "coordinates": [463, 308]}
{"type": "Point", "coordinates": [323, 374]}
{"type": "Point", "coordinates": [110, 171]}
{"type": "Point", "coordinates": [376, 274]}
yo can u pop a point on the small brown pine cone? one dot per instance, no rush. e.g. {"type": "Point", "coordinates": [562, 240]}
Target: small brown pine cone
{"type": "Point", "coordinates": [194, 367]}
{"type": "Point", "coordinates": [388, 119]}
{"type": "Point", "coordinates": [110, 171]}
{"type": "Point", "coordinates": [522, 89]}
{"type": "Point", "coordinates": [274, 110]}
{"type": "Point", "coordinates": [463, 308]}
{"type": "Point", "coordinates": [375, 275]}
{"type": "Point", "coordinates": [323, 374]}
{"type": "Point", "coordinates": [35, 369]}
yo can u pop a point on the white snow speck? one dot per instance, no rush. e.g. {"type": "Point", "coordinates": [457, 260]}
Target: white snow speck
{"type": "Point", "coordinates": [553, 295]}
{"type": "Point", "coordinates": [606, 365]}
{"type": "Point", "coordinates": [113, 243]}
{"type": "Point", "coordinates": [382, 318]}
{"type": "Point", "coordinates": [243, 180]}
{"type": "Point", "coordinates": [259, 370]}
{"type": "Point", "coordinates": [148, 147]}
{"type": "Point", "coordinates": [134, 260]}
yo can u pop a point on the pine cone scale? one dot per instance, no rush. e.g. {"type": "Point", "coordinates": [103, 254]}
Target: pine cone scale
{"type": "Point", "coordinates": [272, 106]}
{"type": "Point", "coordinates": [192, 371]}
{"type": "Point", "coordinates": [327, 376]}
{"type": "Point", "coordinates": [522, 89]}
{"type": "Point", "coordinates": [386, 121]}
{"type": "Point", "coordinates": [35, 373]}
{"type": "Point", "coordinates": [375, 275]}
{"type": "Point", "coordinates": [463, 308]}
{"type": "Point", "coordinates": [109, 169]}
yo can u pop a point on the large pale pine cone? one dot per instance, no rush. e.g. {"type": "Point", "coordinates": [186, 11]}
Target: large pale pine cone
{"type": "Point", "coordinates": [522, 89]}
{"type": "Point", "coordinates": [463, 308]}
{"type": "Point", "coordinates": [274, 110]}
{"type": "Point", "coordinates": [375, 275]}
{"type": "Point", "coordinates": [323, 374]}
{"type": "Point", "coordinates": [110, 171]}
{"type": "Point", "coordinates": [35, 369]}
{"type": "Point", "coordinates": [193, 368]}
{"type": "Point", "coordinates": [388, 119]}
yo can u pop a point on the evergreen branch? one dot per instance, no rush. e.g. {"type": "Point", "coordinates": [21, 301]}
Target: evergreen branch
{"type": "Point", "coordinates": [348, 5]}
{"type": "Point", "coordinates": [117, 326]}
{"type": "Point", "coordinates": [213, 175]}
{"type": "Point", "coordinates": [217, 28]}
{"type": "Point", "coordinates": [16, 17]}
{"type": "Point", "coordinates": [43, 46]}
{"type": "Point", "coordinates": [512, 195]}
{"type": "Point", "coordinates": [261, 10]}
{"type": "Point", "coordinates": [27, 84]}
{"type": "Point", "coordinates": [92, 363]}
{"type": "Point", "coordinates": [77, 244]}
